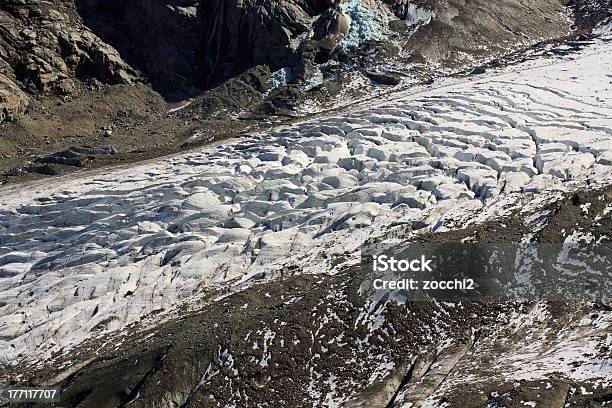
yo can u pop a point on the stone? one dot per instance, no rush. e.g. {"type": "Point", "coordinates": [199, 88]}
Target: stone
{"type": "Point", "coordinates": [430, 182]}
{"type": "Point", "coordinates": [270, 156]}
{"type": "Point", "coordinates": [340, 181]}
{"type": "Point", "coordinates": [13, 101]}
{"type": "Point", "coordinates": [296, 157]}
{"type": "Point", "coordinates": [333, 156]}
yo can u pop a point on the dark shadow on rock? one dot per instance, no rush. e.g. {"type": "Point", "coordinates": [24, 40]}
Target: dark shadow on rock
{"type": "Point", "coordinates": [241, 35]}
{"type": "Point", "coordinates": [159, 37]}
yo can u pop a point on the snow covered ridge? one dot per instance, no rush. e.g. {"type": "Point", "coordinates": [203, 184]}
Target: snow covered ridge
{"type": "Point", "coordinates": [100, 251]}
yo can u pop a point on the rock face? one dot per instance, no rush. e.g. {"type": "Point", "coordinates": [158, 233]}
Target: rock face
{"type": "Point", "coordinates": [460, 32]}
{"type": "Point", "coordinates": [13, 101]}
{"type": "Point", "coordinates": [589, 13]}
{"type": "Point", "coordinates": [184, 46]}
{"type": "Point", "coordinates": [161, 38]}
{"type": "Point", "coordinates": [44, 49]}
{"type": "Point", "coordinates": [239, 35]}
{"type": "Point", "coordinates": [331, 28]}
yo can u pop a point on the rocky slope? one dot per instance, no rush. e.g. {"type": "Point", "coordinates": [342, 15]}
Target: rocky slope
{"type": "Point", "coordinates": [44, 49]}
{"type": "Point", "coordinates": [72, 73]}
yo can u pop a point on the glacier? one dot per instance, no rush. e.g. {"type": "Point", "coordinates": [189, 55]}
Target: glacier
{"type": "Point", "coordinates": [93, 253]}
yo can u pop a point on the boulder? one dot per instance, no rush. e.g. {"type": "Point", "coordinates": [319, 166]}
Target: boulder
{"type": "Point", "coordinates": [331, 28]}
{"type": "Point", "coordinates": [13, 101]}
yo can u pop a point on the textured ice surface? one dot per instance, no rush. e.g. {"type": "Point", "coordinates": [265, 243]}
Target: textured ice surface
{"type": "Point", "coordinates": [367, 24]}
{"type": "Point", "coordinates": [100, 251]}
